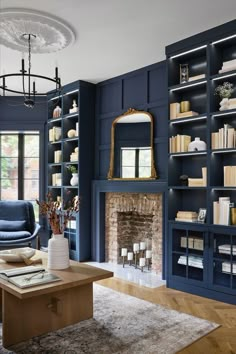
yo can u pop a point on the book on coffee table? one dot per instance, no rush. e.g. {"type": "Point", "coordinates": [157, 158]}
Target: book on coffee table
{"type": "Point", "coordinates": [28, 280]}
{"type": "Point", "coordinates": [25, 277]}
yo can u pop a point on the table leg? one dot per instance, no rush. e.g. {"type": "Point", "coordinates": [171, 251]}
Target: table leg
{"type": "Point", "coordinates": [29, 317]}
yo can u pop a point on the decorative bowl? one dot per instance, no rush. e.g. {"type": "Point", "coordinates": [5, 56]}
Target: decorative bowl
{"type": "Point", "coordinates": [15, 254]}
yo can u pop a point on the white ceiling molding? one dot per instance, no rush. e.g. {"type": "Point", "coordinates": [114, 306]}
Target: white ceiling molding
{"type": "Point", "coordinates": [52, 34]}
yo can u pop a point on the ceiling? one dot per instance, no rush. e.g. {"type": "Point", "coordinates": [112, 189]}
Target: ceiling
{"type": "Point", "coordinates": [114, 37]}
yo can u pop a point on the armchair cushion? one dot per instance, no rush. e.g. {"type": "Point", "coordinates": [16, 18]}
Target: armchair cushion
{"type": "Point", "coordinates": [16, 225]}
{"type": "Point", "coordinates": [14, 235]}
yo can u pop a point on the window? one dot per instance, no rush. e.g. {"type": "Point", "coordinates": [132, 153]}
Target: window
{"type": "Point", "coordinates": [19, 166]}
{"type": "Point", "coordinates": [136, 162]}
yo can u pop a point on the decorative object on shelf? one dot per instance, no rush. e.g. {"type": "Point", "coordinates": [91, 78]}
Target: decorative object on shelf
{"type": "Point", "coordinates": [58, 217]}
{"type": "Point", "coordinates": [183, 180]}
{"type": "Point", "coordinates": [184, 106]}
{"type": "Point", "coordinates": [184, 74]}
{"type": "Point", "coordinates": [75, 179]}
{"type": "Point", "coordinates": [197, 145]}
{"type": "Point", "coordinates": [229, 65]}
{"type": "Point", "coordinates": [201, 215]}
{"type": "Point", "coordinates": [74, 156]}
{"type": "Point", "coordinates": [71, 133]}
{"type": "Point", "coordinates": [56, 112]}
{"type": "Point", "coordinates": [74, 108]}
{"type": "Point", "coordinates": [141, 259]}
{"type": "Point", "coordinates": [225, 91]}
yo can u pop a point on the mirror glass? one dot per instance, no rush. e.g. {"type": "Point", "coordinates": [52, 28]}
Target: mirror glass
{"type": "Point", "coordinates": [132, 146]}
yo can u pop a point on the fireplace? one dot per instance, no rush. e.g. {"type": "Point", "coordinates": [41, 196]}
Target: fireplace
{"type": "Point", "coordinates": [133, 218]}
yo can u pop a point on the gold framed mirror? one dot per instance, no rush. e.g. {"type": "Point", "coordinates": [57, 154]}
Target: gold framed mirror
{"type": "Point", "coordinates": [132, 155]}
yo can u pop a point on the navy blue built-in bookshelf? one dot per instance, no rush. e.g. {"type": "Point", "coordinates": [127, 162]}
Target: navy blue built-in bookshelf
{"type": "Point", "coordinates": [210, 269]}
{"type": "Point", "coordinates": [77, 150]}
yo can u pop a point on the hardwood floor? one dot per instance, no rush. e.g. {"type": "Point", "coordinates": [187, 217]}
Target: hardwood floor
{"type": "Point", "coordinates": [220, 341]}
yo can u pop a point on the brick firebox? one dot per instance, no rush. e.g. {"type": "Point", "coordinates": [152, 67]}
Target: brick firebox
{"type": "Point", "coordinates": [130, 218]}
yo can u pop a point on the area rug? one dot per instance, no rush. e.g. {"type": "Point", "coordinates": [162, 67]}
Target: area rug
{"type": "Point", "coordinates": [122, 324]}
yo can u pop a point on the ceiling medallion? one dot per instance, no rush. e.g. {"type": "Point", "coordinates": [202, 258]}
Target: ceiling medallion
{"type": "Point", "coordinates": [52, 34]}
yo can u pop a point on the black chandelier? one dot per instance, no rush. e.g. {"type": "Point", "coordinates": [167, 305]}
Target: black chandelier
{"type": "Point", "coordinates": [29, 93]}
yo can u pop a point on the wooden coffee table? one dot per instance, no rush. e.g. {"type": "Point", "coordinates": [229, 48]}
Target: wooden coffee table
{"type": "Point", "coordinates": [40, 309]}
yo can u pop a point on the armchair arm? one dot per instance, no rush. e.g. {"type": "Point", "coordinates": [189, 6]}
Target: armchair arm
{"type": "Point", "coordinates": [37, 227]}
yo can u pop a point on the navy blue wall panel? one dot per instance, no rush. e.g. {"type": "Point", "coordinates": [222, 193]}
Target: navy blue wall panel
{"type": "Point", "coordinates": [110, 97]}
{"type": "Point", "coordinates": [143, 89]}
{"type": "Point", "coordinates": [135, 90]}
{"type": "Point", "coordinates": [157, 83]}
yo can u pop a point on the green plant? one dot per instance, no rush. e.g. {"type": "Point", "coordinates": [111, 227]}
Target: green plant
{"type": "Point", "coordinates": [225, 90]}
{"type": "Point", "coordinates": [72, 168]}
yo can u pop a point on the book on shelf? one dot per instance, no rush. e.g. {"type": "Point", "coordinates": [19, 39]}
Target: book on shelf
{"type": "Point", "coordinates": [226, 249]}
{"type": "Point", "coordinates": [54, 134]}
{"type": "Point", "coordinates": [186, 219]}
{"type": "Point", "coordinates": [187, 114]}
{"type": "Point", "coordinates": [224, 138]}
{"type": "Point", "coordinates": [174, 110]}
{"type": "Point", "coordinates": [195, 182]}
{"type": "Point", "coordinates": [229, 176]}
{"type": "Point", "coordinates": [56, 179]}
{"type": "Point", "coordinates": [197, 77]}
{"type": "Point", "coordinates": [192, 242]}
{"type": "Point", "coordinates": [179, 143]}
{"type": "Point", "coordinates": [192, 261]}
{"type": "Point", "coordinates": [57, 156]}
{"type": "Point", "coordinates": [186, 214]}
{"type": "Point", "coordinates": [221, 210]}
{"type": "Point", "coordinates": [226, 267]}
{"type": "Point", "coordinates": [204, 176]}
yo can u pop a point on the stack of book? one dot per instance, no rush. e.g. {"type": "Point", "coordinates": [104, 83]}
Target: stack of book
{"type": "Point", "coordinates": [175, 112]}
{"type": "Point", "coordinates": [189, 216]}
{"type": "Point", "coordinates": [228, 66]}
{"type": "Point", "coordinates": [187, 114]}
{"type": "Point", "coordinates": [197, 77]}
{"type": "Point", "coordinates": [226, 267]}
{"type": "Point", "coordinates": [226, 249]}
{"type": "Point", "coordinates": [193, 261]}
{"type": "Point", "coordinates": [221, 211]}
{"type": "Point", "coordinates": [229, 176]}
{"type": "Point", "coordinates": [54, 134]}
{"type": "Point", "coordinates": [199, 182]}
{"type": "Point", "coordinates": [57, 156]}
{"type": "Point", "coordinates": [195, 243]}
{"type": "Point", "coordinates": [56, 179]}
{"type": "Point", "coordinates": [223, 139]}
{"type": "Point", "coordinates": [74, 156]}
{"type": "Point", "coordinates": [179, 143]}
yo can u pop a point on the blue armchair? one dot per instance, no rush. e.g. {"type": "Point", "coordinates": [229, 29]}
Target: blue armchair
{"type": "Point", "coordinates": [17, 224]}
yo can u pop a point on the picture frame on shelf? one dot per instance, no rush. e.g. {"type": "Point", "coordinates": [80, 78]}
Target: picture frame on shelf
{"type": "Point", "coordinates": [201, 215]}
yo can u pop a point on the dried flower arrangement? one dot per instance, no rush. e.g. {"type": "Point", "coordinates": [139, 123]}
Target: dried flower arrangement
{"type": "Point", "coordinates": [58, 216]}
{"type": "Point", "coordinates": [225, 90]}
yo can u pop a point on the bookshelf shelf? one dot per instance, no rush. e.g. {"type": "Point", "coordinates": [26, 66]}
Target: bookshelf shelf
{"type": "Point", "coordinates": [216, 60]}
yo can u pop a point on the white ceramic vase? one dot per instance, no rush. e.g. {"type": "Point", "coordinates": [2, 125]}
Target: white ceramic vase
{"type": "Point", "coordinates": [74, 180]}
{"type": "Point", "coordinates": [58, 252]}
{"type": "Point", "coordinates": [197, 145]}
